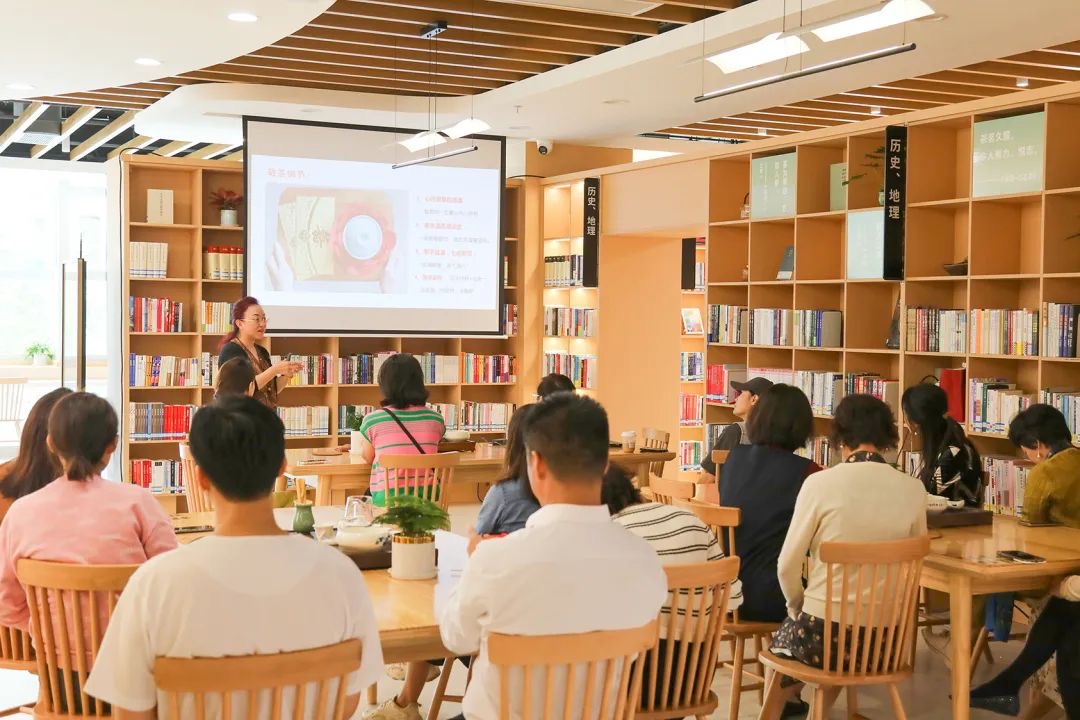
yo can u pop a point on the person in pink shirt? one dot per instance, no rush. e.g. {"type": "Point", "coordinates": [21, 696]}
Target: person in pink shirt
{"type": "Point", "coordinates": [79, 517]}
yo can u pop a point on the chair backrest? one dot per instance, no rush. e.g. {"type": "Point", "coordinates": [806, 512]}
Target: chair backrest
{"type": "Point", "coordinates": [293, 684]}
{"type": "Point", "coordinates": [721, 520]}
{"type": "Point", "coordinates": [679, 670]}
{"type": "Point", "coordinates": [878, 597]}
{"type": "Point", "coordinates": [427, 476]}
{"type": "Point", "coordinates": [582, 676]}
{"type": "Point", "coordinates": [11, 392]}
{"type": "Point", "coordinates": [719, 457]}
{"type": "Point", "coordinates": [653, 439]}
{"type": "Point", "coordinates": [198, 499]}
{"type": "Point", "coordinates": [667, 490]}
{"type": "Point", "coordinates": [16, 650]}
{"type": "Point", "coordinates": [70, 607]}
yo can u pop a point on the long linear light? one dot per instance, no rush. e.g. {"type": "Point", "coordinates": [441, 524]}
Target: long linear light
{"type": "Point", "coordinates": [432, 158]}
{"type": "Point", "coordinates": [832, 65]}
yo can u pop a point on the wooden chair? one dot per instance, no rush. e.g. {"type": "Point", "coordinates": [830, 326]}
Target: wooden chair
{"type": "Point", "coordinates": [653, 439]}
{"type": "Point", "coordinates": [666, 490]}
{"type": "Point", "coordinates": [70, 607]}
{"type": "Point", "coordinates": [243, 686]}
{"type": "Point", "coordinates": [16, 650]}
{"type": "Point", "coordinates": [427, 476]}
{"type": "Point", "coordinates": [876, 625]}
{"type": "Point", "coordinates": [545, 667]}
{"type": "Point", "coordinates": [678, 683]}
{"type": "Point", "coordinates": [710, 491]}
{"type": "Point", "coordinates": [441, 695]}
{"type": "Point", "coordinates": [11, 393]}
{"type": "Point", "coordinates": [198, 499]}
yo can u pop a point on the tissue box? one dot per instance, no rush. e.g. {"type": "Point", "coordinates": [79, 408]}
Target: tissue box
{"type": "Point", "coordinates": [159, 207]}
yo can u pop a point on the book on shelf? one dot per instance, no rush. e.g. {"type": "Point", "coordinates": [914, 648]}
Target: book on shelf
{"type": "Point", "coordinates": [1006, 482]}
{"type": "Point", "coordinates": [223, 262]}
{"type": "Point", "coordinates": [579, 368]}
{"type": "Point", "coordinates": [822, 388]}
{"type": "Point", "coordinates": [510, 320]}
{"type": "Point", "coordinates": [314, 370]}
{"type": "Point", "coordinates": [440, 369]}
{"type": "Point", "coordinates": [786, 271]}
{"type": "Point", "coordinates": [347, 414]}
{"type": "Point", "coordinates": [884, 389]}
{"type": "Point", "coordinates": [158, 476]}
{"type": "Point", "coordinates": [819, 328]}
{"type": "Point", "coordinates": [936, 330]}
{"type": "Point", "coordinates": [993, 403]}
{"type": "Point", "coordinates": [564, 270]}
{"type": "Point", "coordinates": [357, 369]}
{"type": "Point", "coordinates": [729, 324]}
{"type": "Point", "coordinates": [699, 277]}
{"type": "Point", "coordinates": [215, 317]}
{"type": "Point", "coordinates": [713, 431]}
{"type": "Point", "coordinates": [208, 367]}
{"type": "Point", "coordinates": [692, 366]}
{"type": "Point", "coordinates": [449, 413]}
{"type": "Point", "coordinates": [954, 382]}
{"type": "Point", "coordinates": [1004, 332]}
{"type": "Point", "coordinates": [691, 322]}
{"type": "Point", "coordinates": [691, 409]}
{"type": "Point", "coordinates": [163, 371]}
{"type": "Point", "coordinates": [305, 420]}
{"type": "Point", "coordinates": [690, 454]}
{"type": "Point", "coordinates": [562, 321]}
{"type": "Point", "coordinates": [1059, 329]}
{"type": "Point", "coordinates": [771, 326]}
{"type": "Point", "coordinates": [485, 416]}
{"type": "Point", "coordinates": [149, 260]}
{"type": "Point", "coordinates": [156, 315]}
{"type": "Point", "coordinates": [819, 449]}
{"type": "Point", "coordinates": [718, 379]}
{"type": "Point", "coordinates": [476, 368]}
{"type": "Point", "coordinates": [1067, 400]}
{"type": "Point", "coordinates": [159, 421]}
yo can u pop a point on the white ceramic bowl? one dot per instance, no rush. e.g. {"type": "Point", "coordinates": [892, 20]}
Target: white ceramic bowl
{"type": "Point", "coordinates": [359, 536]}
{"type": "Point", "coordinates": [456, 435]}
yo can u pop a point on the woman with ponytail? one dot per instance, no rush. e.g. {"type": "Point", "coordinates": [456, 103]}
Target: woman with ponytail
{"type": "Point", "coordinates": [951, 467]}
{"type": "Point", "coordinates": [243, 341]}
{"type": "Point", "coordinates": [79, 517]}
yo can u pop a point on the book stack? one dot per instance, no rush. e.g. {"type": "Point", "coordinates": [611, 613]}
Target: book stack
{"type": "Point", "coordinates": [883, 389]}
{"type": "Point", "coordinates": [718, 379]}
{"type": "Point", "coordinates": [305, 420]}
{"type": "Point", "coordinates": [487, 369]}
{"type": "Point", "coordinates": [692, 366]}
{"type": "Point", "coordinates": [1059, 329]}
{"type": "Point", "coordinates": [349, 413]}
{"type": "Point", "coordinates": [569, 322]}
{"type": "Point", "coordinates": [692, 409]}
{"type": "Point", "coordinates": [1004, 332]}
{"type": "Point", "coordinates": [215, 317]}
{"type": "Point", "coordinates": [315, 370]}
{"type": "Point", "coordinates": [223, 263]}
{"type": "Point", "coordinates": [690, 454]}
{"type": "Point", "coordinates": [579, 368]}
{"type": "Point", "coordinates": [510, 320]}
{"type": "Point", "coordinates": [159, 476]}
{"type": "Point", "coordinates": [449, 413]}
{"type": "Point", "coordinates": [936, 330]}
{"type": "Point", "coordinates": [439, 369]}
{"type": "Point", "coordinates": [1068, 402]}
{"type": "Point", "coordinates": [564, 270]}
{"type": "Point", "coordinates": [770, 326]}
{"type": "Point", "coordinates": [729, 324]}
{"type": "Point", "coordinates": [162, 371]}
{"type": "Point", "coordinates": [712, 434]}
{"type": "Point", "coordinates": [819, 449]}
{"type": "Point", "coordinates": [485, 416]}
{"type": "Point", "coordinates": [993, 403]}
{"type": "Point", "coordinates": [149, 259]}
{"type": "Point", "coordinates": [1006, 481]}
{"type": "Point", "coordinates": [155, 315]}
{"type": "Point", "coordinates": [356, 369]}
{"type": "Point", "coordinates": [158, 421]}
{"type": "Point", "coordinates": [818, 328]}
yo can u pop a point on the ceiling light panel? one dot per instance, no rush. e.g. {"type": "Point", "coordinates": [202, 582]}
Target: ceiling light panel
{"type": "Point", "coordinates": [768, 49]}
{"type": "Point", "coordinates": [468, 126]}
{"type": "Point", "coordinates": [894, 12]}
{"type": "Point", "coordinates": [422, 141]}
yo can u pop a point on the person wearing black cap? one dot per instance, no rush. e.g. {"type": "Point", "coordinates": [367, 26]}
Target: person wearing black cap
{"type": "Point", "coordinates": [735, 434]}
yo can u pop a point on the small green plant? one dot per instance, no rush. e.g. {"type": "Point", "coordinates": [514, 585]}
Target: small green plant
{"type": "Point", "coordinates": [873, 164]}
{"type": "Point", "coordinates": [353, 420]}
{"type": "Point", "coordinates": [40, 349]}
{"type": "Point", "coordinates": [416, 517]}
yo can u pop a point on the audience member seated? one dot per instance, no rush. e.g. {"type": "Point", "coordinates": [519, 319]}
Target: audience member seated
{"type": "Point", "coordinates": [570, 570]}
{"type": "Point", "coordinates": [79, 517]}
{"type": "Point", "coordinates": [510, 501]}
{"type": "Point", "coordinates": [235, 377]}
{"type": "Point", "coordinates": [763, 480]}
{"type": "Point", "coordinates": [35, 466]}
{"type": "Point", "coordinates": [951, 467]}
{"type": "Point", "coordinates": [248, 588]}
{"type": "Point", "coordinates": [553, 383]}
{"type": "Point", "coordinates": [1052, 493]}
{"type": "Point", "coordinates": [735, 434]}
{"type": "Point", "coordinates": [863, 499]}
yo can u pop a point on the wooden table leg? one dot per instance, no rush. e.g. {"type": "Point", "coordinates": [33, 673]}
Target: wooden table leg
{"type": "Point", "coordinates": [322, 490]}
{"type": "Point", "coordinates": [960, 629]}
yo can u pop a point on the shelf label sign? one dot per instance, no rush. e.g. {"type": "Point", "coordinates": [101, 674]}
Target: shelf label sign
{"type": "Point", "coordinates": [896, 138]}
{"type": "Point", "coordinates": [590, 243]}
{"type": "Point", "coordinates": [772, 187]}
{"type": "Point", "coordinates": [865, 244]}
{"type": "Point", "coordinates": [1008, 155]}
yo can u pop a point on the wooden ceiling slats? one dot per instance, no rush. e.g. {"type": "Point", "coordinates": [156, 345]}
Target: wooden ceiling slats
{"type": "Point", "coordinates": [270, 67]}
{"type": "Point", "coordinates": [364, 85]}
{"type": "Point", "coordinates": [337, 60]}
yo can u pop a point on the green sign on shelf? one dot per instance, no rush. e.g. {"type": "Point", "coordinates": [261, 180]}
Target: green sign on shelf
{"type": "Point", "coordinates": [1009, 154]}
{"type": "Point", "coordinates": [866, 244]}
{"type": "Point", "coordinates": [772, 187]}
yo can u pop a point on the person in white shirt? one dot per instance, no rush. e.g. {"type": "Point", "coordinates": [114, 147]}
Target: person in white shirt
{"type": "Point", "coordinates": [247, 589]}
{"type": "Point", "coordinates": [570, 570]}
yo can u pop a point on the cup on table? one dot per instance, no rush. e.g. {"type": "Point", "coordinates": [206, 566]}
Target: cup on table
{"type": "Point", "coordinates": [629, 440]}
{"type": "Point", "coordinates": [358, 511]}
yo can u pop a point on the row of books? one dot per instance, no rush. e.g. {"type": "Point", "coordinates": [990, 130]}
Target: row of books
{"type": "Point", "coordinates": [936, 330]}
{"type": "Point", "coordinates": [215, 317]}
{"type": "Point", "coordinates": [1006, 482]}
{"type": "Point", "coordinates": [484, 416]}
{"type": "Point", "coordinates": [819, 328]}
{"type": "Point", "coordinates": [1004, 332]}
{"type": "Point", "coordinates": [222, 262]}
{"type": "Point", "coordinates": [564, 270]}
{"type": "Point", "coordinates": [771, 326]}
{"type": "Point", "coordinates": [718, 379]}
{"type": "Point", "coordinates": [315, 369]}
{"type": "Point", "coordinates": [360, 369]}
{"type": "Point", "coordinates": [691, 409]}
{"type": "Point", "coordinates": [510, 320]}
{"type": "Point", "coordinates": [159, 421]}
{"type": "Point", "coordinates": [438, 369]}
{"type": "Point", "coordinates": [993, 403]}
{"type": "Point", "coordinates": [157, 315]}
{"type": "Point", "coordinates": [884, 389]}
{"type": "Point", "coordinates": [713, 432]}
{"type": "Point", "coordinates": [1068, 402]}
{"type": "Point", "coordinates": [305, 420]}
{"type": "Point", "coordinates": [160, 476]}
{"type": "Point", "coordinates": [149, 260]}
{"type": "Point", "coordinates": [823, 388]}
{"type": "Point", "coordinates": [488, 368]}
{"type": "Point", "coordinates": [692, 366]}
{"type": "Point", "coordinates": [579, 368]}
{"type": "Point", "coordinates": [1059, 329]}
{"type": "Point", "coordinates": [820, 450]}
{"type": "Point", "coordinates": [729, 324]}
{"type": "Point", "coordinates": [569, 321]}
{"type": "Point", "coordinates": [690, 454]}
{"type": "Point", "coordinates": [163, 371]}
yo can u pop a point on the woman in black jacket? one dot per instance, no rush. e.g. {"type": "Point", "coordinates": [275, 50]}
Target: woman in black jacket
{"type": "Point", "coordinates": [951, 467]}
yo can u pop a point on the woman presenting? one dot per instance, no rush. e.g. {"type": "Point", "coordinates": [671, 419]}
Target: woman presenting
{"type": "Point", "coordinates": [248, 329]}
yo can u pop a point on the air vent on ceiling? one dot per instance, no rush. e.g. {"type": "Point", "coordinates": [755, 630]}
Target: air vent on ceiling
{"type": "Point", "coordinates": [613, 7]}
{"type": "Point", "coordinates": [44, 130]}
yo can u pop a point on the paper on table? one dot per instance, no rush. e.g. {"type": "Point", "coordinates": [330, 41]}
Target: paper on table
{"type": "Point", "coordinates": [453, 554]}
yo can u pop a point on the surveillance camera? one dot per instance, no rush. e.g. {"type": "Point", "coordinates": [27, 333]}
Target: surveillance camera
{"type": "Point", "coordinates": [544, 146]}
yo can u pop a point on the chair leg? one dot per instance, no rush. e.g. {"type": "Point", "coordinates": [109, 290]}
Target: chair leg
{"type": "Point", "coordinates": [897, 705]}
{"type": "Point", "coordinates": [373, 695]}
{"type": "Point", "coordinates": [773, 704]}
{"type": "Point", "coordinates": [852, 693]}
{"type": "Point", "coordinates": [817, 704]}
{"type": "Point", "coordinates": [982, 645]}
{"type": "Point", "coordinates": [440, 689]}
{"type": "Point", "coordinates": [735, 698]}
{"type": "Point", "coordinates": [757, 654]}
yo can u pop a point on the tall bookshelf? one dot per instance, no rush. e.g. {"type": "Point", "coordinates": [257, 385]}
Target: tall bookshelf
{"type": "Point", "coordinates": [692, 443]}
{"type": "Point", "coordinates": [195, 229]}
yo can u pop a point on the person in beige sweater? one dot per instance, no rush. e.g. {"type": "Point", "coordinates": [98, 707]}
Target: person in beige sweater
{"type": "Point", "coordinates": [863, 499]}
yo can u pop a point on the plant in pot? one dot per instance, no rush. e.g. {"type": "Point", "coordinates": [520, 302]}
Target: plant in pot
{"type": "Point", "coordinates": [40, 354]}
{"type": "Point", "coordinates": [229, 202]}
{"type": "Point", "coordinates": [873, 164]}
{"type": "Point", "coordinates": [412, 550]}
{"type": "Point", "coordinates": [353, 420]}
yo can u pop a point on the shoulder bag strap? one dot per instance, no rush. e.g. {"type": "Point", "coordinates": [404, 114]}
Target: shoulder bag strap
{"type": "Point", "coordinates": [405, 430]}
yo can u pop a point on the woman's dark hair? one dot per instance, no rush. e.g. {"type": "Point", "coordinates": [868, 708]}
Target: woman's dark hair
{"type": "Point", "coordinates": [81, 427]}
{"type": "Point", "coordinates": [782, 418]}
{"type": "Point", "coordinates": [618, 491]}
{"type": "Point", "coordinates": [1040, 423]}
{"type": "Point", "coordinates": [35, 466]}
{"type": "Point", "coordinates": [402, 382]}
{"type": "Point", "coordinates": [926, 406]}
{"type": "Point", "coordinates": [234, 377]}
{"type": "Point", "coordinates": [554, 383]}
{"type": "Point", "coordinates": [863, 419]}
{"type": "Point", "coordinates": [517, 459]}
{"type": "Point", "coordinates": [239, 308]}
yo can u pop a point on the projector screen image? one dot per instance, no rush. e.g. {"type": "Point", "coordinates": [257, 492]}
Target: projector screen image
{"type": "Point", "coordinates": [340, 242]}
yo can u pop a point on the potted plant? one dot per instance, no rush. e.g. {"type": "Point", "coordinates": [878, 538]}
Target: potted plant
{"type": "Point", "coordinates": [40, 354]}
{"type": "Point", "coordinates": [873, 164]}
{"type": "Point", "coordinates": [412, 550]}
{"type": "Point", "coordinates": [353, 421]}
{"type": "Point", "coordinates": [228, 201]}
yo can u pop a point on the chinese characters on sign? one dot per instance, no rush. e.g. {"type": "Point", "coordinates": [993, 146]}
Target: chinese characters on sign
{"type": "Point", "coordinates": [895, 201]}
{"type": "Point", "coordinates": [1008, 155]}
{"type": "Point", "coordinates": [590, 236]}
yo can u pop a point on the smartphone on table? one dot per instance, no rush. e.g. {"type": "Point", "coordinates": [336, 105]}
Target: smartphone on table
{"type": "Point", "coordinates": [1020, 556]}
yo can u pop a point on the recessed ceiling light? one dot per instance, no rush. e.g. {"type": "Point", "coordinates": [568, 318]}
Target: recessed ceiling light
{"type": "Point", "coordinates": [617, 101]}
{"type": "Point", "coordinates": [518, 127]}
{"type": "Point", "coordinates": [243, 17]}
{"type": "Point", "coordinates": [763, 132]}
{"type": "Point", "coordinates": [148, 62]}
{"type": "Point", "coordinates": [19, 86]}
{"type": "Point", "coordinates": [875, 110]}
{"type": "Point", "coordinates": [1022, 82]}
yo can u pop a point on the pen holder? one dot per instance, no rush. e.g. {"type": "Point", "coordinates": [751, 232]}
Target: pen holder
{"type": "Point", "coordinates": [304, 518]}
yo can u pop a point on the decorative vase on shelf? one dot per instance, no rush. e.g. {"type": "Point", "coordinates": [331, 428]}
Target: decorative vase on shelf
{"type": "Point", "coordinates": [355, 438]}
{"type": "Point", "coordinates": [229, 217]}
{"type": "Point", "coordinates": [412, 557]}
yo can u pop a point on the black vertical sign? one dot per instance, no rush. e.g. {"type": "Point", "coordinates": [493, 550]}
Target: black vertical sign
{"type": "Point", "coordinates": [688, 266]}
{"type": "Point", "coordinates": [895, 200]}
{"type": "Point", "coordinates": [590, 242]}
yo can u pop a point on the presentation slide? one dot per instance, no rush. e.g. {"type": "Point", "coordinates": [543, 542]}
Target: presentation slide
{"type": "Point", "coordinates": [340, 242]}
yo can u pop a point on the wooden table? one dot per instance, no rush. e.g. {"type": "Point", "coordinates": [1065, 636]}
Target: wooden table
{"type": "Point", "coordinates": [342, 475]}
{"type": "Point", "coordinates": [963, 563]}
